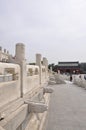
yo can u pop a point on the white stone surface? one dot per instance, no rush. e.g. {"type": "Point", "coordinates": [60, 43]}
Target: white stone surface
{"type": "Point", "coordinates": [9, 90]}
{"type": "Point", "coordinates": [81, 82]}
{"type": "Point", "coordinates": [36, 107]}
{"type": "Point", "coordinates": [59, 79]}
{"type": "Point", "coordinates": [48, 90]}
{"type": "Point", "coordinates": [67, 110]}
{"type": "Point", "coordinates": [1, 128]}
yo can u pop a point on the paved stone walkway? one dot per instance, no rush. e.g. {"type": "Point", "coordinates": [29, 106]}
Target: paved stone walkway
{"type": "Point", "coordinates": [67, 109]}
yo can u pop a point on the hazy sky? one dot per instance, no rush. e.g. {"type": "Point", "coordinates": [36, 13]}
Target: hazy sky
{"type": "Point", "coordinates": [54, 28]}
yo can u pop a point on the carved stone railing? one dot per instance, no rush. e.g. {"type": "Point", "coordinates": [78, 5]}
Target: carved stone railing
{"type": "Point", "coordinates": [27, 96]}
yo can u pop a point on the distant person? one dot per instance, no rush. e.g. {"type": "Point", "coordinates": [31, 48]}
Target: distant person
{"type": "Point", "coordinates": [71, 78]}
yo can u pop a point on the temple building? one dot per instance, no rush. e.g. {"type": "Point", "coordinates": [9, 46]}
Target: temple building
{"type": "Point", "coordinates": [69, 67]}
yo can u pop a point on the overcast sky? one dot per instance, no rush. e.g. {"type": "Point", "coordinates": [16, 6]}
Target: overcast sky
{"type": "Point", "coordinates": [54, 28]}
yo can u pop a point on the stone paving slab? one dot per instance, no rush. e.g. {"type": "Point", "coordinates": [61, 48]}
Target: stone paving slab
{"type": "Point", "coordinates": [67, 110]}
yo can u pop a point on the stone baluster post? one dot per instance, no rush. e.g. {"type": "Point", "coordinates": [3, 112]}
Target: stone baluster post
{"type": "Point", "coordinates": [20, 59]}
{"type": "Point", "coordinates": [0, 48]}
{"type": "Point", "coordinates": [8, 52]}
{"type": "Point", "coordinates": [51, 70]}
{"type": "Point", "coordinates": [0, 53]}
{"type": "Point", "coordinates": [38, 62]}
{"type": "Point", "coordinates": [4, 50]}
{"type": "Point", "coordinates": [46, 66]}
